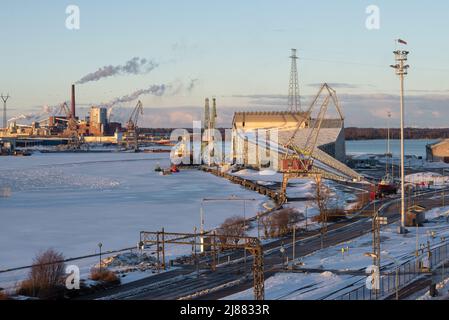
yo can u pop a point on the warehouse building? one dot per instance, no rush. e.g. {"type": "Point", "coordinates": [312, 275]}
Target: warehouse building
{"type": "Point", "coordinates": [331, 138]}
{"type": "Point", "coordinates": [438, 151]}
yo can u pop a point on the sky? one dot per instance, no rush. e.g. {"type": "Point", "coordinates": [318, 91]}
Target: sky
{"type": "Point", "coordinates": [236, 51]}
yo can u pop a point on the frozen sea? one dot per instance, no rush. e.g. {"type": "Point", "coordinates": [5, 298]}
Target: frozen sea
{"type": "Point", "coordinates": [71, 202]}
{"type": "Point", "coordinates": [412, 147]}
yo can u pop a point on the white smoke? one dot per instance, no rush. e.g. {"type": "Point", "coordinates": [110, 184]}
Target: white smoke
{"type": "Point", "coordinates": [192, 85]}
{"type": "Point", "coordinates": [157, 90]}
{"type": "Point", "coordinates": [134, 66]}
{"type": "Point", "coordinates": [34, 116]}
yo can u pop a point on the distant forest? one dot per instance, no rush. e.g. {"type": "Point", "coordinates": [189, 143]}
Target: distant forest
{"type": "Point", "coordinates": [381, 133]}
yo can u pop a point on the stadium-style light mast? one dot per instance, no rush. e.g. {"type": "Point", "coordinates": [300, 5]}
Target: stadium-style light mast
{"type": "Point", "coordinates": [401, 70]}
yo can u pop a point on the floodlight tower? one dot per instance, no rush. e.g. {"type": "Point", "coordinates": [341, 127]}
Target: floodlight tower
{"type": "Point", "coordinates": [401, 70]}
{"type": "Point", "coordinates": [294, 99]}
{"type": "Point", "coordinates": [5, 99]}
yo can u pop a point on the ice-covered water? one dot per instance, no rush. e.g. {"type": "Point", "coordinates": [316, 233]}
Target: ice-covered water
{"type": "Point", "coordinates": [412, 147]}
{"type": "Point", "coordinates": [71, 202]}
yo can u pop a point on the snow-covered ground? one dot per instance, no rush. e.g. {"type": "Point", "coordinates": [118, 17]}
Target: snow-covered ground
{"type": "Point", "coordinates": [426, 178]}
{"type": "Point", "coordinates": [302, 193]}
{"type": "Point", "coordinates": [395, 248]}
{"type": "Point", "coordinates": [442, 289]}
{"type": "Point", "coordinates": [411, 161]}
{"type": "Point", "coordinates": [71, 202]}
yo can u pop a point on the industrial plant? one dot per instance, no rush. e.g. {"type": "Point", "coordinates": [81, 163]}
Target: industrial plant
{"type": "Point", "coordinates": [287, 194]}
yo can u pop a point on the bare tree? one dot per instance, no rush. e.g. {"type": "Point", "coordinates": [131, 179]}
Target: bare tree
{"type": "Point", "coordinates": [231, 229]}
{"type": "Point", "coordinates": [322, 197]}
{"type": "Point", "coordinates": [3, 295]}
{"type": "Point", "coordinates": [45, 277]}
{"type": "Point", "coordinates": [280, 222]}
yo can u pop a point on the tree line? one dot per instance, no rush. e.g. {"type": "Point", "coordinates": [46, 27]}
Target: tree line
{"type": "Point", "coordinates": [353, 133]}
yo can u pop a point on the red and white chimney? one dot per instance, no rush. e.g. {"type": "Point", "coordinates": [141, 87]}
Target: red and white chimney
{"type": "Point", "coordinates": [73, 104]}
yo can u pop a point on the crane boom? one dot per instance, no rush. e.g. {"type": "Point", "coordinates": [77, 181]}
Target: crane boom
{"type": "Point", "coordinates": [134, 118]}
{"type": "Point", "coordinates": [298, 159]}
{"type": "Point", "coordinates": [131, 138]}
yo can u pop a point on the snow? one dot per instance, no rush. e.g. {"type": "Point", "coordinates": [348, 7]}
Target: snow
{"type": "Point", "coordinates": [395, 249]}
{"type": "Point", "coordinates": [443, 292]}
{"type": "Point", "coordinates": [433, 178]}
{"type": "Point", "coordinates": [73, 201]}
{"type": "Point", "coordinates": [298, 286]}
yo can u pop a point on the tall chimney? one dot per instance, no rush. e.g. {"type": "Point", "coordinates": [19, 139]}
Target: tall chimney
{"type": "Point", "coordinates": [73, 105]}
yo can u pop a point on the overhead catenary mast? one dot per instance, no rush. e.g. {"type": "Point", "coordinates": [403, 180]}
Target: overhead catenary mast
{"type": "Point", "coordinates": [294, 99]}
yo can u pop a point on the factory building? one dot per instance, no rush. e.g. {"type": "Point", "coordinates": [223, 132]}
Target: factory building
{"type": "Point", "coordinates": [438, 151]}
{"type": "Point", "coordinates": [98, 120]}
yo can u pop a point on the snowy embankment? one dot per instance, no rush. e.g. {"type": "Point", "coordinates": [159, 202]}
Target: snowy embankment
{"type": "Point", "coordinates": [328, 283]}
{"type": "Point", "coordinates": [71, 202]}
{"type": "Point", "coordinates": [304, 190]}
{"type": "Point", "coordinates": [411, 161]}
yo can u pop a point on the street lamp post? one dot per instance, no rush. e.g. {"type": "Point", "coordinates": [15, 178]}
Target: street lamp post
{"type": "Point", "coordinates": [282, 250]}
{"type": "Point", "coordinates": [374, 256]}
{"type": "Point", "coordinates": [99, 246]}
{"type": "Point", "coordinates": [401, 70]}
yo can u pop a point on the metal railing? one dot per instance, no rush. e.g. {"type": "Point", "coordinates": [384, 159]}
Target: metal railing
{"type": "Point", "coordinates": [401, 276]}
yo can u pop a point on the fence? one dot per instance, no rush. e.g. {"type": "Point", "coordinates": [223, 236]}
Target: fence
{"type": "Point", "coordinates": [401, 276]}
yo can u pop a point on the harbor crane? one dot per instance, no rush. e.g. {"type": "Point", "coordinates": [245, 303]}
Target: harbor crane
{"type": "Point", "coordinates": [298, 160]}
{"type": "Point", "coordinates": [75, 141]}
{"type": "Point", "coordinates": [131, 137]}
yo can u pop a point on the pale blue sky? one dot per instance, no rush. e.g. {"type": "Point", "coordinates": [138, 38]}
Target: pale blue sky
{"type": "Point", "coordinates": [234, 48]}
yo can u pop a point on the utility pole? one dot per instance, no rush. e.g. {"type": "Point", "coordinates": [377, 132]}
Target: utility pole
{"type": "Point", "coordinates": [294, 243]}
{"type": "Point", "coordinates": [389, 153]}
{"type": "Point", "coordinates": [401, 70]}
{"type": "Point", "coordinates": [294, 99]}
{"type": "Point", "coordinates": [5, 99]}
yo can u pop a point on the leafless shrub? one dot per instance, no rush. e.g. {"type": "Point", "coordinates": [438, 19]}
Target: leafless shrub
{"type": "Point", "coordinates": [282, 221]}
{"type": "Point", "coordinates": [3, 296]}
{"type": "Point", "coordinates": [363, 199]}
{"type": "Point", "coordinates": [265, 221]}
{"type": "Point", "coordinates": [46, 276]}
{"type": "Point", "coordinates": [231, 229]}
{"type": "Point", "coordinates": [331, 215]}
{"type": "Point", "coordinates": [104, 275]}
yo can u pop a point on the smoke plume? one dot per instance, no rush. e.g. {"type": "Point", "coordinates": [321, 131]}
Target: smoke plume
{"type": "Point", "coordinates": [34, 116]}
{"type": "Point", "coordinates": [157, 90]}
{"type": "Point", "coordinates": [191, 85]}
{"type": "Point", "coordinates": [134, 66]}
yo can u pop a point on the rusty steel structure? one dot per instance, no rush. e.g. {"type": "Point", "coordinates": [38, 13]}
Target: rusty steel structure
{"type": "Point", "coordinates": [298, 160]}
{"type": "Point", "coordinates": [213, 243]}
{"type": "Point", "coordinates": [131, 138]}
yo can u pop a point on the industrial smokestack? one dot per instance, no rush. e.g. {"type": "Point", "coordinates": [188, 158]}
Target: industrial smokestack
{"type": "Point", "coordinates": [73, 104]}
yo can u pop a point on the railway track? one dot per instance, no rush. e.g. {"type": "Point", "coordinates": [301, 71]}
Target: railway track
{"type": "Point", "coordinates": [185, 283]}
